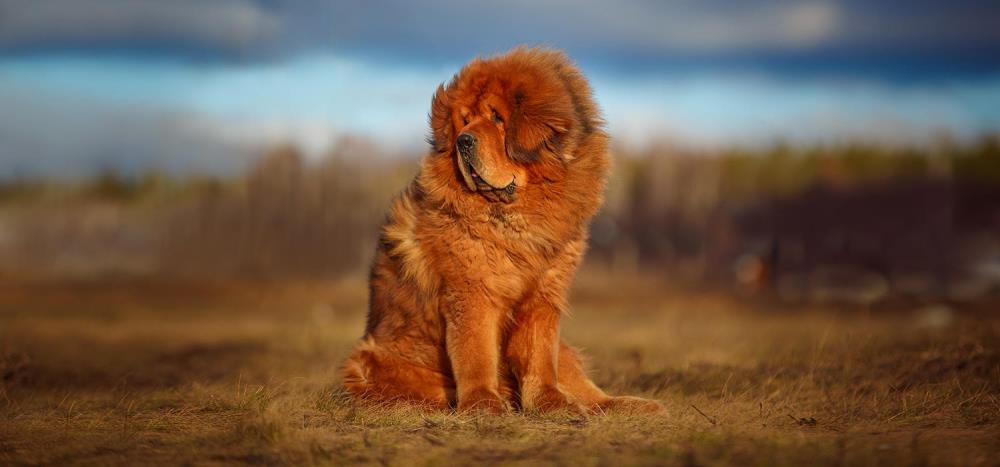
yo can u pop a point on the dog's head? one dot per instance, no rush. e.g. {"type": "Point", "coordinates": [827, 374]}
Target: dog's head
{"type": "Point", "coordinates": [512, 120]}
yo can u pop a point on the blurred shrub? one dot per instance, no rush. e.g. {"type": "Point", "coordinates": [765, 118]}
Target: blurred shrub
{"type": "Point", "coordinates": [285, 218]}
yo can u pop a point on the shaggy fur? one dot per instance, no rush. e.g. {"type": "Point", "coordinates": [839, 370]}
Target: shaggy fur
{"type": "Point", "coordinates": [477, 254]}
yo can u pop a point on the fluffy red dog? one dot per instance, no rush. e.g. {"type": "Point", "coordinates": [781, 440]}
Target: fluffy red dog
{"type": "Point", "coordinates": [472, 271]}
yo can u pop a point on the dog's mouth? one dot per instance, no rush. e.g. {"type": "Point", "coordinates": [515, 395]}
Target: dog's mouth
{"type": "Point", "coordinates": [477, 183]}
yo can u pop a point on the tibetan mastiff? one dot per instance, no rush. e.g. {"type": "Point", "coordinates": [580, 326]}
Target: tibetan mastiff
{"type": "Point", "coordinates": [476, 256]}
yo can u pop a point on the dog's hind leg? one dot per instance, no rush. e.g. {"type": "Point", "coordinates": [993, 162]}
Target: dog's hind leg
{"type": "Point", "coordinates": [574, 380]}
{"type": "Point", "coordinates": [377, 374]}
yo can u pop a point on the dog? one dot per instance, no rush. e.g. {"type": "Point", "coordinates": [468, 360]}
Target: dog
{"type": "Point", "coordinates": [476, 256]}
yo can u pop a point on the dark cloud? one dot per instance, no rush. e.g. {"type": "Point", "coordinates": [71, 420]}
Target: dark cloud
{"type": "Point", "coordinates": [896, 37]}
{"type": "Point", "coordinates": [223, 26]}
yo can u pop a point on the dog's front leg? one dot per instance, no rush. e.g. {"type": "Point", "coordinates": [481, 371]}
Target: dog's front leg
{"type": "Point", "coordinates": [533, 346]}
{"type": "Point", "coordinates": [533, 353]}
{"type": "Point", "coordinates": [472, 336]}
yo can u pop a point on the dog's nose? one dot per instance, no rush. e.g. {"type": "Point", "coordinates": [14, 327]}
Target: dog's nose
{"type": "Point", "coordinates": [466, 141]}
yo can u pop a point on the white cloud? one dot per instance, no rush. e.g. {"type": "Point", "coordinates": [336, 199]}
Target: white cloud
{"type": "Point", "coordinates": [58, 135]}
{"type": "Point", "coordinates": [809, 23]}
{"type": "Point", "coordinates": [721, 110]}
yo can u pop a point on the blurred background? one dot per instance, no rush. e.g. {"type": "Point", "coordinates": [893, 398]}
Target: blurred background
{"type": "Point", "coordinates": [820, 151]}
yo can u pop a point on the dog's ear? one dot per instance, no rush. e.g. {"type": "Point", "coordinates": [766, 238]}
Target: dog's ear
{"type": "Point", "coordinates": [441, 135]}
{"type": "Point", "coordinates": [539, 122]}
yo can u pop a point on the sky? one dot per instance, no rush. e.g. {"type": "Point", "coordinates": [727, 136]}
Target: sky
{"type": "Point", "coordinates": [201, 85]}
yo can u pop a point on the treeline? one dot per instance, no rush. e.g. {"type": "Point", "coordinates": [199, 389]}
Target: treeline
{"type": "Point", "coordinates": [784, 218]}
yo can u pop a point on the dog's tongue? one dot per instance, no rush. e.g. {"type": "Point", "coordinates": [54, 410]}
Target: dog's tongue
{"type": "Point", "coordinates": [475, 175]}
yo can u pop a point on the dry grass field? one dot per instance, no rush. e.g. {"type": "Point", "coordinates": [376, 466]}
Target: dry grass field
{"type": "Point", "coordinates": [139, 373]}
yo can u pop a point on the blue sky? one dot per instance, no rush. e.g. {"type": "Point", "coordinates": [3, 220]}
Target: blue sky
{"type": "Point", "coordinates": [201, 85]}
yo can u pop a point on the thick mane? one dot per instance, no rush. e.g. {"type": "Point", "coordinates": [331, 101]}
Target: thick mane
{"type": "Point", "coordinates": [554, 129]}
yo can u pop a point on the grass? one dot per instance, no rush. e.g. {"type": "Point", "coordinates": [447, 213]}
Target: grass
{"type": "Point", "coordinates": [132, 372]}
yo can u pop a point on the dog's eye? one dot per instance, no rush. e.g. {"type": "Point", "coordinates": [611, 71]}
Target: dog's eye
{"type": "Point", "coordinates": [496, 117]}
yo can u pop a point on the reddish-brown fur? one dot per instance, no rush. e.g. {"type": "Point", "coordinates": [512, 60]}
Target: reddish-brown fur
{"type": "Point", "coordinates": [471, 274]}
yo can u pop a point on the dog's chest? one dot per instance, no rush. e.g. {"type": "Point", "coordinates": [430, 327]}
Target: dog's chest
{"type": "Point", "coordinates": [506, 222]}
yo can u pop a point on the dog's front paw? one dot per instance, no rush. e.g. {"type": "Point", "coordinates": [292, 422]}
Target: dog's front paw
{"type": "Point", "coordinates": [551, 399]}
{"type": "Point", "coordinates": [481, 400]}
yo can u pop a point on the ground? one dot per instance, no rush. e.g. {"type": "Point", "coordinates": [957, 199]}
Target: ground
{"type": "Point", "coordinates": [152, 372]}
